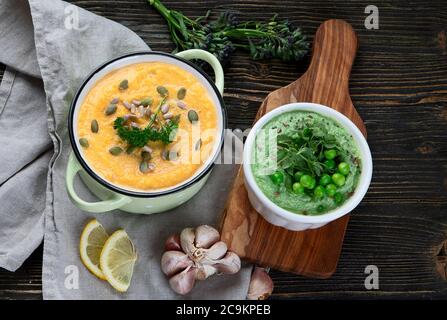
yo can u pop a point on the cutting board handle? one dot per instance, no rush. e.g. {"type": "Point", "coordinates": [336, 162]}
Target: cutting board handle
{"type": "Point", "coordinates": [334, 50]}
{"type": "Point", "coordinates": [327, 78]}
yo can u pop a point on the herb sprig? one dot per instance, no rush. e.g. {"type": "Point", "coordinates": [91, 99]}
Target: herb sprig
{"type": "Point", "coordinates": [264, 40]}
{"type": "Point", "coordinates": [304, 151]}
{"type": "Point", "coordinates": [137, 137]}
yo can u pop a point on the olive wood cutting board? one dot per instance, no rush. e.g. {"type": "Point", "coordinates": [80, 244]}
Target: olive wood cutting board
{"type": "Point", "coordinates": [312, 253]}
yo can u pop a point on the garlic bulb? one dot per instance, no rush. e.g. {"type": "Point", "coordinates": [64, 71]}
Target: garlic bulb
{"type": "Point", "coordinates": [196, 255]}
{"type": "Point", "coordinates": [261, 285]}
{"type": "Point", "coordinates": [173, 243]}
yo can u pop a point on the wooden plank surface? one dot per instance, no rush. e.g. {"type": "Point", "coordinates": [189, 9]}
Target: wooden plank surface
{"type": "Point", "coordinates": [399, 87]}
{"type": "Point", "coordinates": [313, 253]}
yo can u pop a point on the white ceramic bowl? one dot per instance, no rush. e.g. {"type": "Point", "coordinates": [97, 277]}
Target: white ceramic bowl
{"type": "Point", "coordinates": [293, 221]}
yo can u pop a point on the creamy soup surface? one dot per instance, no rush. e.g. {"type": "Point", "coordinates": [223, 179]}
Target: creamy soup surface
{"type": "Point", "coordinates": [193, 143]}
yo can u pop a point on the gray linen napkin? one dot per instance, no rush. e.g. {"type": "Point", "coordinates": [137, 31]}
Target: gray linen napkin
{"type": "Point", "coordinates": [49, 46]}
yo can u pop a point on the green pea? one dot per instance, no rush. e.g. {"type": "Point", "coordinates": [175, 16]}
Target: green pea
{"type": "Point", "coordinates": [329, 164]}
{"type": "Point", "coordinates": [277, 178]}
{"type": "Point", "coordinates": [325, 179]}
{"type": "Point", "coordinates": [319, 192]}
{"type": "Point", "coordinates": [339, 198]}
{"type": "Point", "coordinates": [308, 181]}
{"type": "Point", "coordinates": [297, 176]}
{"type": "Point", "coordinates": [331, 189]}
{"type": "Point", "coordinates": [307, 132]}
{"type": "Point", "coordinates": [338, 179]}
{"type": "Point", "coordinates": [330, 154]}
{"type": "Point", "coordinates": [298, 188]}
{"type": "Point", "coordinates": [343, 168]}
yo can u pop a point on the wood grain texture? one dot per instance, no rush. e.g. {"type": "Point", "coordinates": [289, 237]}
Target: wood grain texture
{"type": "Point", "coordinates": [398, 85]}
{"type": "Point", "coordinates": [312, 253]}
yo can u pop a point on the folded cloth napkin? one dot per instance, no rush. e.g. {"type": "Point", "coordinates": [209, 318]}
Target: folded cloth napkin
{"type": "Point", "coordinates": [49, 46]}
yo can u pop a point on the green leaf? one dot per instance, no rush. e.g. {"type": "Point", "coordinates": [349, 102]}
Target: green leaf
{"type": "Point", "coordinates": [137, 137]}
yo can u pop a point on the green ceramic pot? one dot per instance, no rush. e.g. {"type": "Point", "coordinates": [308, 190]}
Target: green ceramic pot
{"type": "Point", "coordinates": [113, 197]}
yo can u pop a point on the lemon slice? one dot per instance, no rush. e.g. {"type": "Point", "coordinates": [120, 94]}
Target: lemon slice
{"type": "Point", "coordinates": [117, 260]}
{"type": "Point", "coordinates": [92, 240]}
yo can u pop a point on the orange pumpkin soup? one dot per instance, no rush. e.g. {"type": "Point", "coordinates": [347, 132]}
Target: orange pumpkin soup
{"type": "Point", "coordinates": [150, 99]}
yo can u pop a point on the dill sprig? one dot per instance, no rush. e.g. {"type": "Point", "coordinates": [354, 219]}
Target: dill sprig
{"type": "Point", "coordinates": [304, 150]}
{"type": "Point", "coordinates": [263, 40]}
{"type": "Point", "coordinates": [137, 137]}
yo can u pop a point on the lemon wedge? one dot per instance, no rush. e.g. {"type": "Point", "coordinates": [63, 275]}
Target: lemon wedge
{"type": "Point", "coordinates": [92, 241]}
{"type": "Point", "coordinates": [117, 260]}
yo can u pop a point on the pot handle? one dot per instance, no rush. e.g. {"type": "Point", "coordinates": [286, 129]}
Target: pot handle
{"type": "Point", "coordinates": [116, 200]}
{"type": "Point", "coordinates": [207, 57]}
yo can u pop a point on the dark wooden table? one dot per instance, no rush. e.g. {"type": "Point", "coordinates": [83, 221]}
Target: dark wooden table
{"type": "Point", "coordinates": [399, 87]}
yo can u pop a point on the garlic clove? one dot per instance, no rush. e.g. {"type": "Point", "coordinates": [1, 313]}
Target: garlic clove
{"type": "Point", "coordinates": [183, 282]}
{"type": "Point", "coordinates": [217, 250]}
{"type": "Point", "coordinates": [205, 236]}
{"type": "Point", "coordinates": [187, 237]}
{"type": "Point", "coordinates": [229, 264]}
{"type": "Point", "coordinates": [173, 262]}
{"type": "Point", "coordinates": [173, 243]}
{"type": "Point", "coordinates": [204, 271]}
{"type": "Point", "coordinates": [261, 285]}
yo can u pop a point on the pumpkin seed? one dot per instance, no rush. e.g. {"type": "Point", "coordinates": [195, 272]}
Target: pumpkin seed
{"type": "Point", "coordinates": [84, 142]}
{"type": "Point", "coordinates": [169, 155]}
{"type": "Point", "coordinates": [127, 105]}
{"type": "Point", "coordinates": [111, 109]}
{"type": "Point", "coordinates": [144, 166]}
{"type": "Point", "coordinates": [147, 101]}
{"type": "Point", "coordinates": [181, 93]}
{"type": "Point", "coordinates": [165, 154]}
{"type": "Point", "coordinates": [172, 155]}
{"type": "Point", "coordinates": [148, 149]}
{"type": "Point", "coordinates": [115, 100]}
{"type": "Point", "coordinates": [115, 151]}
{"type": "Point", "coordinates": [148, 111]}
{"type": "Point", "coordinates": [129, 116]}
{"type": "Point", "coordinates": [181, 105]}
{"type": "Point", "coordinates": [164, 108]}
{"type": "Point", "coordinates": [162, 91]}
{"type": "Point", "coordinates": [168, 115]}
{"type": "Point", "coordinates": [130, 149]}
{"type": "Point", "coordinates": [136, 102]}
{"type": "Point", "coordinates": [146, 155]}
{"type": "Point", "coordinates": [94, 126]}
{"type": "Point", "coordinates": [193, 116]}
{"type": "Point", "coordinates": [141, 111]}
{"type": "Point", "coordinates": [198, 144]}
{"type": "Point", "coordinates": [124, 85]}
